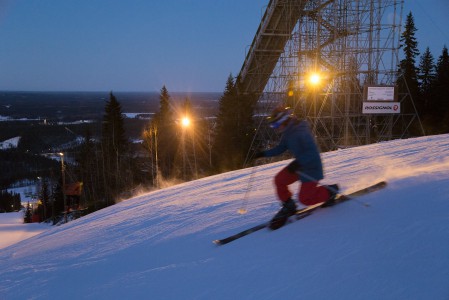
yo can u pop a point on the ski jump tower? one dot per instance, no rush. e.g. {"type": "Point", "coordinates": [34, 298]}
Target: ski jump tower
{"type": "Point", "coordinates": [335, 63]}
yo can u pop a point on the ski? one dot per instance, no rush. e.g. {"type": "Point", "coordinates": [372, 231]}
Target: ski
{"type": "Point", "coordinates": [307, 211]}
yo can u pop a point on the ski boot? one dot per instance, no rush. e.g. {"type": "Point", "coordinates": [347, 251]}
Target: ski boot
{"type": "Point", "coordinates": [288, 209]}
{"type": "Point", "coordinates": [333, 192]}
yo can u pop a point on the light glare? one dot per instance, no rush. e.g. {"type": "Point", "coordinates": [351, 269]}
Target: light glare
{"type": "Point", "coordinates": [185, 121]}
{"type": "Point", "coordinates": [315, 78]}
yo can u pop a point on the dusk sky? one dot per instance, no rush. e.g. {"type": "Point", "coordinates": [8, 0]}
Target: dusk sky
{"type": "Point", "coordinates": [141, 45]}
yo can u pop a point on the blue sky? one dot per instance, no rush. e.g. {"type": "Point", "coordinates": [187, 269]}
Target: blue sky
{"type": "Point", "coordinates": [141, 45]}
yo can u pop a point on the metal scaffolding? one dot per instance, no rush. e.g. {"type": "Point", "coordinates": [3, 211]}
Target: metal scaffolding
{"type": "Point", "coordinates": [350, 45]}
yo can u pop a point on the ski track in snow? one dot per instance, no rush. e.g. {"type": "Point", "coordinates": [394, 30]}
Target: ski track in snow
{"type": "Point", "coordinates": [158, 245]}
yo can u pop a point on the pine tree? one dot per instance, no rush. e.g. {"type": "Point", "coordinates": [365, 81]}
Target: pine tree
{"type": "Point", "coordinates": [245, 123]}
{"type": "Point", "coordinates": [165, 134]}
{"type": "Point", "coordinates": [57, 201]}
{"type": "Point", "coordinates": [407, 77]}
{"type": "Point", "coordinates": [150, 143]}
{"type": "Point", "coordinates": [113, 131]}
{"type": "Point", "coordinates": [88, 163]}
{"type": "Point", "coordinates": [9, 201]}
{"type": "Point", "coordinates": [165, 113]}
{"type": "Point", "coordinates": [114, 148]}
{"type": "Point", "coordinates": [234, 128]}
{"type": "Point", "coordinates": [27, 216]}
{"type": "Point", "coordinates": [224, 143]}
{"type": "Point", "coordinates": [441, 92]}
{"type": "Point", "coordinates": [44, 195]}
{"type": "Point", "coordinates": [426, 76]}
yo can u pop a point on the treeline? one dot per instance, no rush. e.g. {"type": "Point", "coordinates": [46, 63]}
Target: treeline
{"type": "Point", "coordinates": [9, 201]}
{"type": "Point", "coordinates": [51, 204]}
{"type": "Point", "coordinates": [178, 145]}
{"type": "Point", "coordinates": [17, 165]}
{"type": "Point", "coordinates": [426, 80]}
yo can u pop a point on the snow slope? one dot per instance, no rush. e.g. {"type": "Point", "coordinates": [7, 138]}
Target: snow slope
{"type": "Point", "coordinates": [159, 245]}
{"type": "Point", "coordinates": [13, 230]}
{"type": "Point", "coordinates": [10, 143]}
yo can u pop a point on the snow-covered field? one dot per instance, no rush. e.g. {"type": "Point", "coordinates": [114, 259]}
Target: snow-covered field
{"type": "Point", "coordinates": [13, 230]}
{"type": "Point", "coordinates": [159, 245]}
{"type": "Point", "coordinates": [10, 143]}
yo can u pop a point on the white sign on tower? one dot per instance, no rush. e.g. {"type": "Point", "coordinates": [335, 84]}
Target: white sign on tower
{"type": "Point", "coordinates": [380, 100]}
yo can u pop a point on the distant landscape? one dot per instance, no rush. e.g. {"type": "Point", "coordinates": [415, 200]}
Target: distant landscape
{"type": "Point", "coordinates": [21, 112]}
{"type": "Point", "coordinates": [72, 106]}
{"type": "Point", "coordinates": [39, 123]}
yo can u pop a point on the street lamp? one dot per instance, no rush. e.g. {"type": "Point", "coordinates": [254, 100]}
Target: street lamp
{"type": "Point", "coordinates": [315, 79]}
{"type": "Point", "coordinates": [185, 122]}
{"type": "Point", "coordinates": [63, 186]}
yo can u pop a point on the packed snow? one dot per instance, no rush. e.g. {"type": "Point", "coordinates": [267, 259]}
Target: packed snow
{"type": "Point", "coordinates": [159, 245]}
{"type": "Point", "coordinates": [13, 230]}
{"type": "Point", "coordinates": [10, 143]}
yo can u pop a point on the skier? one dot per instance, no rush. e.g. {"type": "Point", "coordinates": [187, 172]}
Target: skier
{"type": "Point", "coordinates": [307, 167]}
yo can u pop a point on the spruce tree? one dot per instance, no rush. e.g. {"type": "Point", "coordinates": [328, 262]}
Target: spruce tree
{"type": "Point", "coordinates": [246, 129]}
{"type": "Point", "coordinates": [224, 142]}
{"type": "Point", "coordinates": [234, 128]}
{"type": "Point", "coordinates": [407, 74]}
{"type": "Point", "coordinates": [114, 148]}
{"type": "Point", "coordinates": [9, 201]}
{"type": "Point", "coordinates": [165, 113]}
{"type": "Point", "coordinates": [44, 195]}
{"type": "Point", "coordinates": [165, 134]}
{"type": "Point", "coordinates": [113, 133]}
{"type": "Point", "coordinates": [57, 201]}
{"type": "Point", "coordinates": [441, 92]}
{"type": "Point", "coordinates": [426, 76]}
{"type": "Point", "coordinates": [88, 164]}
{"type": "Point", "coordinates": [150, 144]}
{"type": "Point", "coordinates": [28, 214]}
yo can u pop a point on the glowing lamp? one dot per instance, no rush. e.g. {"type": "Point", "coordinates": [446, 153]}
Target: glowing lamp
{"type": "Point", "coordinates": [315, 79]}
{"type": "Point", "coordinates": [185, 122]}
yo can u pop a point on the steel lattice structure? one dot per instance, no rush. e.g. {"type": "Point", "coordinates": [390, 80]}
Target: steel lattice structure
{"type": "Point", "coordinates": [351, 44]}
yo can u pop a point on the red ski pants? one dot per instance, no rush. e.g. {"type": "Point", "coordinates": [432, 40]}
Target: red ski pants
{"type": "Point", "coordinates": [310, 193]}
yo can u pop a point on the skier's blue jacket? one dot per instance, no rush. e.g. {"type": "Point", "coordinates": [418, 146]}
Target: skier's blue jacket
{"type": "Point", "coordinates": [298, 139]}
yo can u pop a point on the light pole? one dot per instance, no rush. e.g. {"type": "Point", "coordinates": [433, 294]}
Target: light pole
{"type": "Point", "coordinates": [63, 186]}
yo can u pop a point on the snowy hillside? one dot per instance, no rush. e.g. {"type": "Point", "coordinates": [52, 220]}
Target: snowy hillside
{"type": "Point", "coordinates": [159, 245]}
{"type": "Point", "coordinates": [12, 229]}
{"type": "Point", "coordinates": [10, 143]}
